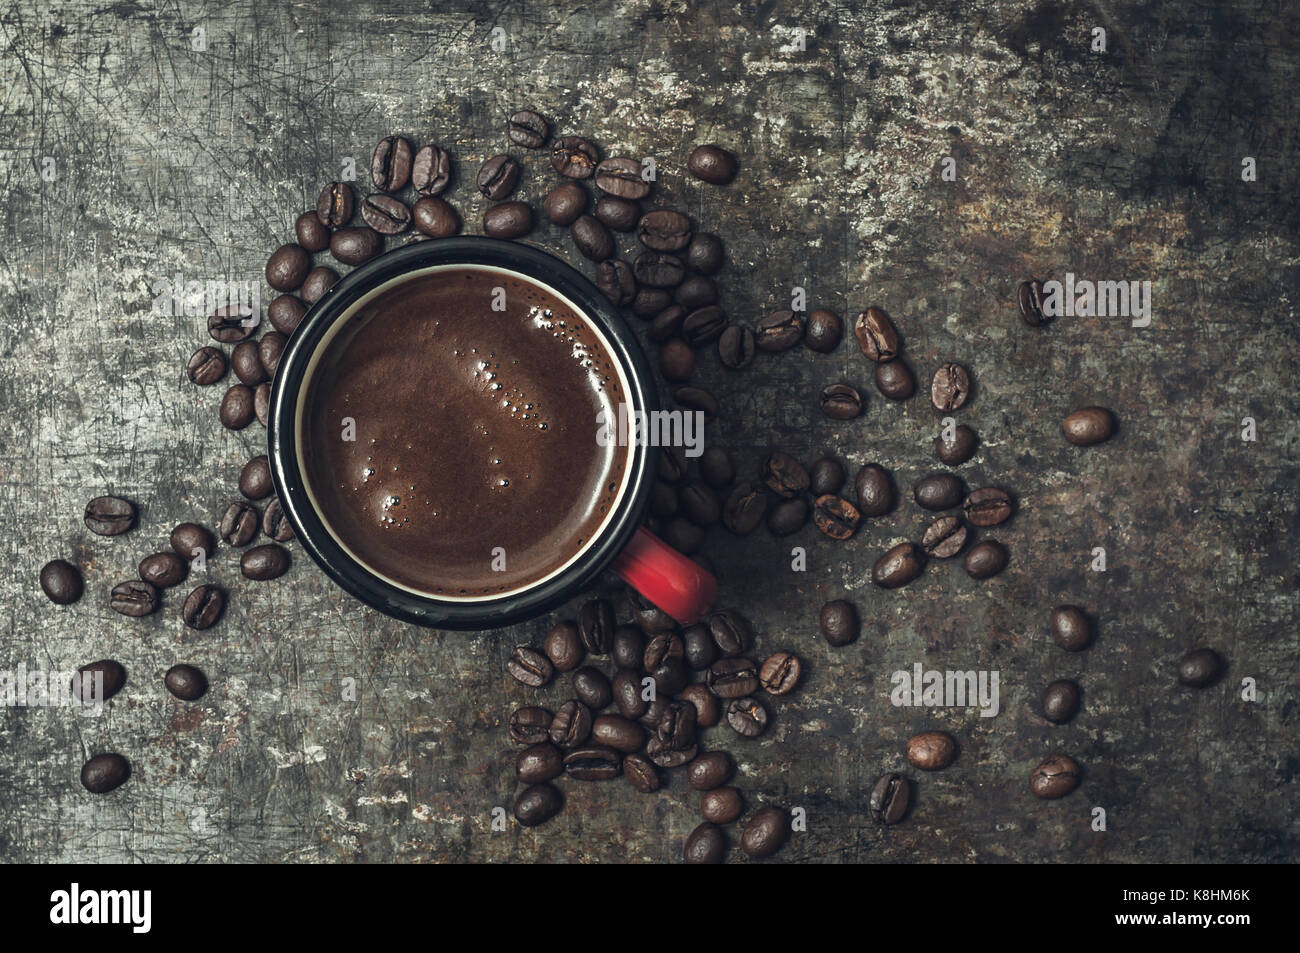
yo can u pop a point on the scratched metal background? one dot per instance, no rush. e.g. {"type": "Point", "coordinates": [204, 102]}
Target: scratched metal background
{"type": "Point", "coordinates": [1122, 165]}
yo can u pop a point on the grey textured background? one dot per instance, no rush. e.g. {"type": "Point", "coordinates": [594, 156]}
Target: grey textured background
{"type": "Point", "coordinates": [1121, 165]}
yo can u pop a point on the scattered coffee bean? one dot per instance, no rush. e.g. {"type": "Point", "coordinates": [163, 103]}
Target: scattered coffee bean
{"type": "Point", "coordinates": [745, 508]}
{"type": "Point", "coordinates": [731, 632]}
{"type": "Point", "coordinates": [704, 326]}
{"type": "Point", "coordinates": [697, 398]}
{"type": "Point", "coordinates": [508, 220]}
{"type": "Point", "coordinates": [390, 164]}
{"type": "Point", "coordinates": [135, 598]}
{"type": "Point", "coordinates": [355, 246]}
{"type": "Point", "coordinates": [189, 539]}
{"type": "Point", "coordinates": [163, 570]}
{"type": "Point", "coordinates": [707, 844]}
{"type": "Point", "coordinates": [1031, 303]}
{"type": "Point", "coordinates": [564, 203]}
{"type": "Point", "coordinates": [238, 524]}
{"type": "Point", "coordinates": [640, 773]}
{"type": "Point", "coordinates": [664, 230]}
{"type": "Point", "coordinates": [431, 171]}
{"type": "Point", "coordinates": [784, 475]}
{"type": "Point", "coordinates": [385, 214]}
{"type": "Point", "coordinates": [621, 177]}
{"type": "Point", "coordinates": [596, 626]}
{"type": "Point", "coordinates": [721, 805]}
{"type": "Point", "coordinates": [185, 682]}
{"type": "Point", "coordinates": [676, 360]}
{"type": "Point", "coordinates": [498, 176]}
{"type": "Point", "coordinates": [897, 567]}
{"type": "Point", "coordinates": [652, 301]}
{"type": "Point", "coordinates": [658, 269]}
{"type": "Point", "coordinates": [1060, 701]}
{"type": "Point", "coordinates": [712, 164]}
{"type": "Point", "coordinates": [733, 677]}
{"type": "Point", "coordinates": [1055, 777]}
{"type": "Point", "coordinates": [264, 562]}
{"type": "Point", "coordinates": [206, 366]}
{"type": "Point", "coordinates": [700, 505]}
{"type": "Point", "coordinates": [839, 623]}
{"type": "Point", "coordinates": [202, 607]}
{"type": "Point", "coordinates": [747, 717]}
{"type": "Point", "coordinates": [875, 490]}
{"type": "Point", "coordinates": [696, 292]}
{"type": "Point", "coordinates": [286, 313]}
{"type": "Point", "coordinates": [876, 334]}
{"type": "Point", "coordinates": [98, 681]}
{"type": "Point", "coordinates": [231, 324]}
{"type": "Point", "coordinates": [931, 750]}
{"type": "Point", "coordinates": [262, 402]}
{"type": "Point", "coordinates": [787, 517]}
{"type": "Point", "coordinates": [938, 491]}
{"type": "Point", "coordinates": [835, 517]}
{"type": "Point", "coordinates": [672, 466]}
{"type": "Point", "coordinates": [529, 667]}
{"type": "Point", "coordinates": [246, 364]}
{"type": "Point", "coordinates": [1089, 425]}
{"type": "Point", "coordinates": [571, 725]}
{"type": "Point", "coordinates": [61, 582]}
{"type": "Point", "coordinates": [275, 524]}
{"type": "Point", "coordinates": [894, 379]}
{"type": "Point", "coordinates": [1200, 667]}
{"type": "Point", "coordinates": [986, 558]}
{"type": "Point", "coordinates": [628, 646]}
{"type": "Point", "coordinates": [889, 799]}
{"type": "Point", "coordinates": [104, 772]}
{"type": "Point", "coordinates": [537, 804]}
{"type": "Point", "coordinates": [736, 347]}
{"type": "Point", "coordinates": [538, 763]}
{"type": "Point", "coordinates": [530, 725]}
{"type": "Point", "coordinates": [704, 254]}
{"type": "Point", "coordinates": [779, 331]}
{"type": "Point", "coordinates": [593, 763]}
{"type": "Point", "coordinates": [564, 647]}
{"type": "Point", "coordinates": [841, 402]}
{"type": "Point", "coordinates": [270, 349]}
{"type": "Point", "coordinates": [987, 506]}
{"type": "Point", "coordinates": [823, 331]}
{"type": "Point", "coordinates": [335, 206]}
{"type": "Point", "coordinates": [109, 515]}
{"type": "Point", "coordinates": [958, 450]}
{"type": "Point", "coordinates": [621, 734]}
{"type": "Point", "coordinates": [621, 215]}
{"type": "Point", "coordinates": [311, 232]}
{"type": "Point", "coordinates": [698, 648]}
{"type": "Point", "coordinates": [574, 157]}
{"type": "Point", "coordinates": [704, 702]}
{"type": "Point", "coordinates": [944, 538]}
{"type": "Point", "coordinates": [670, 677]}
{"type": "Point", "coordinates": [667, 323]}
{"type": "Point", "coordinates": [1071, 628]}
{"type": "Point", "coordinates": [255, 479]}
{"type": "Point", "coordinates": [591, 238]}
{"type": "Point", "coordinates": [826, 476]}
{"type": "Point", "coordinates": [627, 690]}
{"type": "Point", "coordinates": [950, 388]}
{"type": "Point", "coordinates": [709, 771]}
{"type": "Point", "coordinates": [780, 673]}
{"type": "Point", "coordinates": [616, 282]}
{"type": "Point", "coordinates": [528, 129]}
{"type": "Point", "coordinates": [287, 267]}
{"type": "Point", "coordinates": [766, 832]}
{"type": "Point", "coordinates": [591, 686]}
{"type": "Point", "coordinates": [435, 217]}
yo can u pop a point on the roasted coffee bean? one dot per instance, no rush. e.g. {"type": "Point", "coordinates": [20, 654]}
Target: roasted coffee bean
{"type": "Point", "coordinates": [530, 725]}
{"type": "Point", "coordinates": [596, 626]}
{"type": "Point", "coordinates": [745, 508]}
{"type": "Point", "coordinates": [721, 805]}
{"type": "Point", "coordinates": [1089, 425]}
{"type": "Point", "coordinates": [616, 282]}
{"type": "Point", "coordinates": [498, 176]}
{"type": "Point", "coordinates": [1060, 701]}
{"type": "Point", "coordinates": [238, 524]}
{"type": "Point", "coordinates": [667, 324]}
{"type": "Point", "coordinates": [876, 334]}
{"type": "Point", "coordinates": [528, 666]}
{"type": "Point", "coordinates": [385, 214]}
{"type": "Point", "coordinates": [202, 607]}
{"type": "Point", "coordinates": [267, 561]}
{"type": "Point", "coordinates": [894, 380]}
{"type": "Point", "coordinates": [1071, 628]}
{"type": "Point", "coordinates": [435, 217]}
{"type": "Point", "coordinates": [704, 325]}
{"type": "Point", "coordinates": [61, 582]}
{"type": "Point", "coordinates": [286, 313]}
{"type": "Point", "coordinates": [592, 687]}
{"type": "Point", "coordinates": [944, 538]}
{"type": "Point", "coordinates": [841, 402]}
{"type": "Point", "coordinates": [621, 734]}
{"type": "Point", "coordinates": [163, 570]}
{"type": "Point", "coordinates": [652, 301]}
{"type": "Point", "coordinates": [232, 324]}
{"type": "Point", "coordinates": [897, 567]}
{"type": "Point", "coordinates": [709, 771]}
{"type": "Point", "coordinates": [747, 717]}
{"type": "Point", "coordinates": [275, 524]}
{"type": "Point", "coordinates": [640, 773]}
{"type": "Point", "coordinates": [591, 238]}
{"type": "Point", "coordinates": [731, 632]}
{"type": "Point", "coordinates": [255, 479]}
{"type": "Point", "coordinates": [593, 763]}
{"type": "Point", "coordinates": [950, 388]}
{"type": "Point", "coordinates": [661, 647]}
{"type": "Point", "coordinates": [355, 246]}
{"type": "Point", "coordinates": [664, 230]}
{"type": "Point", "coordinates": [186, 682]}
{"type": "Point", "coordinates": [987, 506]}
{"type": "Point", "coordinates": [670, 677]}
{"type": "Point", "coordinates": [875, 490]}
{"type": "Point", "coordinates": [431, 171]}
{"type": "Point", "coordinates": [839, 623]}
{"type": "Point", "coordinates": [654, 711]}
{"type": "Point", "coordinates": [676, 360]}
{"type": "Point", "coordinates": [733, 677]}
{"type": "Point", "coordinates": [628, 694]}
{"type": "Point", "coordinates": [700, 505]}
{"type": "Point", "coordinates": [621, 177]}
{"type": "Point", "coordinates": [98, 681]}
{"type": "Point", "coordinates": [1200, 667]}
{"type": "Point", "coordinates": [704, 254]}
{"type": "Point", "coordinates": [766, 832]}
{"type": "Point", "coordinates": [784, 475]}
{"type": "Point", "coordinates": [779, 331]}
{"type": "Point", "coordinates": [958, 450]}
{"type": "Point", "coordinates": [104, 772]}
{"type": "Point", "coordinates": [835, 517]}
{"type": "Point", "coordinates": [571, 725]}
{"type": "Point", "coordinates": [564, 203]}
{"type": "Point", "coordinates": [705, 702]}
{"type": "Point", "coordinates": [262, 402]}
{"type": "Point", "coordinates": [986, 558]}
{"type": "Point", "coordinates": [696, 398]}
{"type": "Point", "coordinates": [698, 648]}
{"type": "Point", "coordinates": [696, 291]}
{"type": "Point", "coordinates": [707, 844]}
{"type": "Point", "coordinates": [508, 220]}
{"type": "Point", "coordinates": [311, 233]}
{"type": "Point", "coordinates": [1055, 777]}
{"type": "Point", "coordinates": [287, 267]}
{"type": "Point", "coordinates": [539, 762]}
{"type": "Point", "coordinates": [931, 750]}
{"type": "Point", "coordinates": [537, 804]}
{"type": "Point", "coordinates": [270, 349]}
{"type": "Point", "coordinates": [889, 799]}
{"type": "Point", "coordinates": [134, 598]}
{"type": "Point", "coordinates": [526, 128]}
{"type": "Point", "coordinates": [658, 269]}
{"type": "Point", "coordinates": [206, 366]}
{"type": "Point", "coordinates": [712, 164]}
{"type": "Point", "coordinates": [780, 673]}
{"type": "Point", "coordinates": [663, 499]}
{"type": "Point", "coordinates": [676, 727]}
{"type": "Point", "coordinates": [628, 646]}
{"type": "Point", "coordinates": [574, 157]}
{"type": "Point", "coordinates": [938, 491]}
{"type": "Point", "coordinates": [335, 206]}
{"type": "Point", "coordinates": [823, 331]}
{"type": "Point", "coordinates": [661, 754]}
{"type": "Point", "coordinates": [246, 364]}
{"type": "Point", "coordinates": [1030, 296]}
{"type": "Point", "coordinates": [672, 465]}
{"type": "Point", "coordinates": [564, 647]}
{"type": "Point", "coordinates": [826, 476]}
{"type": "Point", "coordinates": [716, 468]}
{"type": "Point", "coordinates": [390, 164]}
{"type": "Point", "coordinates": [109, 515]}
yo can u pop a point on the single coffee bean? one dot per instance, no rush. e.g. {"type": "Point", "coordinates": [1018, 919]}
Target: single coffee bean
{"type": "Point", "coordinates": [705, 702]}
{"type": "Point", "coordinates": [621, 734]}
{"type": "Point", "coordinates": [661, 647]}
{"type": "Point", "coordinates": [931, 750]}
{"type": "Point", "coordinates": [875, 490]}
{"type": "Point", "coordinates": [835, 517]}
{"type": "Point", "coordinates": [698, 648]}
{"type": "Point", "coordinates": [104, 772]}
{"type": "Point", "coordinates": [889, 799]}
{"type": "Point", "coordinates": [109, 515]}
{"type": "Point", "coordinates": [530, 725]}
{"type": "Point", "coordinates": [135, 598]}
{"type": "Point", "coordinates": [950, 388]}
{"type": "Point", "coordinates": [826, 476]}
{"type": "Point", "coordinates": [591, 238]}
{"type": "Point", "coordinates": [958, 450]}
{"type": "Point", "coordinates": [628, 646]}
{"type": "Point", "coordinates": [766, 832]}
{"type": "Point", "coordinates": [664, 230]}
{"type": "Point", "coordinates": [61, 582]}
{"type": "Point", "coordinates": [732, 632]}
{"type": "Point", "coordinates": [986, 558]}
{"type": "Point", "coordinates": [697, 398]}
{"type": "Point", "coordinates": [897, 567]}
{"type": "Point", "coordinates": [231, 324]}
{"type": "Point", "coordinates": [238, 524]}
{"type": "Point", "coordinates": [185, 682]}
{"type": "Point", "coordinates": [653, 713]}
{"type": "Point", "coordinates": [699, 504]}
{"type": "Point", "coordinates": [267, 561]}
{"type": "Point", "coordinates": [658, 269]}
{"type": "Point", "coordinates": [571, 725]}
{"type": "Point", "coordinates": [779, 331]}
{"type": "Point", "coordinates": [704, 325]}
{"type": "Point", "coordinates": [894, 380]}
{"type": "Point", "coordinates": [745, 508]}
{"type": "Point", "coordinates": [733, 677]}
{"type": "Point", "coordinates": [747, 717]}
{"type": "Point", "coordinates": [202, 607]}
{"type": "Point", "coordinates": [1060, 701]}
{"type": "Point", "coordinates": [707, 844]}
{"type": "Point", "coordinates": [716, 468]}
{"type": "Point", "coordinates": [620, 177]}
{"type": "Point", "coordinates": [1089, 425]}
{"type": "Point", "coordinates": [287, 267]}
{"type": "Point", "coordinates": [938, 491]}
{"type": "Point", "coordinates": [628, 697]}
{"type": "Point", "coordinates": [385, 214]}
{"type": "Point", "coordinates": [508, 220]}
{"type": "Point", "coordinates": [269, 351]}
{"type": "Point", "coordinates": [667, 324]}
{"type": "Point", "coordinates": [538, 763]}
{"type": "Point", "coordinates": [574, 157]}
{"type": "Point", "coordinates": [841, 402]}
{"type": "Point", "coordinates": [311, 233]}
{"type": "Point", "coordinates": [670, 677]}
{"type": "Point", "coordinates": [652, 301]}
{"type": "Point", "coordinates": [695, 292]}
{"type": "Point", "coordinates": [944, 538]}
{"type": "Point", "coordinates": [526, 128]}
{"type": "Point", "coordinates": [839, 623]}
{"type": "Point", "coordinates": [335, 206]}
{"type": "Point", "coordinates": [528, 666]}
{"type": "Point", "coordinates": [616, 282]}
{"type": "Point", "coordinates": [275, 524]}
{"type": "Point", "coordinates": [592, 687]}
{"type": "Point", "coordinates": [640, 773]}
{"type": "Point", "coordinates": [780, 673]}
{"type": "Point", "coordinates": [987, 506]}
{"type": "Point", "coordinates": [537, 804]}
{"type": "Point", "coordinates": [431, 171]}
{"type": "Point", "coordinates": [163, 570]}
{"type": "Point", "coordinates": [246, 364]}
{"type": "Point", "coordinates": [704, 254]}
{"type": "Point", "coordinates": [262, 402]}
{"type": "Point", "coordinates": [876, 334]}
{"type": "Point", "coordinates": [286, 313]}
{"type": "Point", "coordinates": [672, 466]}
{"type": "Point", "coordinates": [784, 475]}
{"type": "Point", "coordinates": [676, 360]}
{"type": "Point", "coordinates": [1055, 777]}
{"type": "Point", "coordinates": [1071, 628]}
{"type": "Point", "coordinates": [596, 626]}
{"type": "Point", "coordinates": [709, 771]}
{"type": "Point", "coordinates": [712, 164]}
{"type": "Point", "coordinates": [676, 727]}
{"type": "Point", "coordinates": [98, 681]}
{"type": "Point", "coordinates": [564, 647]}
{"type": "Point", "coordinates": [721, 805]}
{"type": "Point", "coordinates": [1200, 667]}
{"type": "Point", "coordinates": [355, 246]}
{"type": "Point", "coordinates": [593, 763]}
{"type": "Point", "coordinates": [823, 331]}
{"type": "Point", "coordinates": [255, 479]}
{"type": "Point", "coordinates": [1030, 296]}
{"type": "Point", "coordinates": [435, 217]}
{"type": "Point", "coordinates": [565, 203]}
{"type": "Point", "coordinates": [206, 366]}
{"type": "Point", "coordinates": [498, 176]}
{"type": "Point", "coordinates": [660, 753]}
{"type": "Point", "coordinates": [390, 164]}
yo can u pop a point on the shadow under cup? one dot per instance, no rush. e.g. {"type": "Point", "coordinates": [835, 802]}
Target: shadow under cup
{"type": "Point", "coordinates": [410, 542]}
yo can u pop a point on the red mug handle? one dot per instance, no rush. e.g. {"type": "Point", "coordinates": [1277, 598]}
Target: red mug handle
{"type": "Point", "coordinates": [668, 579]}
